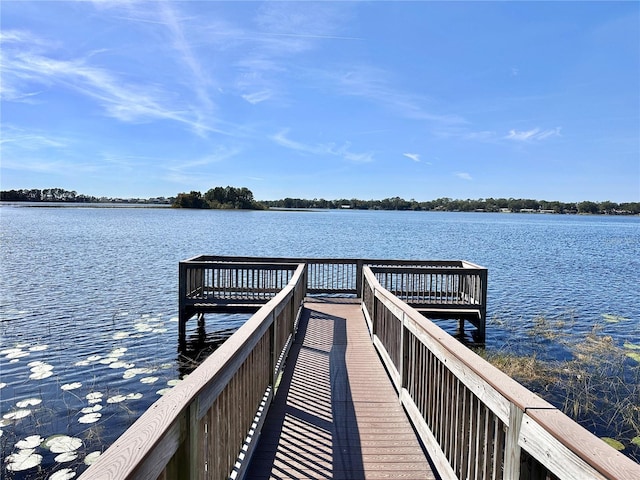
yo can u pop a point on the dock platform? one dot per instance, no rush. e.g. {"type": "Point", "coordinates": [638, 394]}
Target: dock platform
{"type": "Point", "coordinates": [336, 414]}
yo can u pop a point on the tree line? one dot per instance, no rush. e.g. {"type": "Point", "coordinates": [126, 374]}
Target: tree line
{"type": "Point", "coordinates": [70, 196]}
{"type": "Point", "coordinates": [243, 198]}
{"type": "Point", "coordinates": [453, 205]}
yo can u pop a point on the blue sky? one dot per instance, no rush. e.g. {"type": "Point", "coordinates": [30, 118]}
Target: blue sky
{"type": "Point", "coordinates": [327, 100]}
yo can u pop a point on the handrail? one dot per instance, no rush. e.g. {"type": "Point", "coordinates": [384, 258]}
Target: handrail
{"type": "Point", "coordinates": [198, 429]}
{"type": "Point", "coordinates": [475, 420]}
{"type": "Point", "coordinates": [328, 275]}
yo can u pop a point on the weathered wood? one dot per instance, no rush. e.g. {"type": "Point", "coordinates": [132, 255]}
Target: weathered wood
{"type": "Point", "coordinates": [491, 425]}
{"type": "Point", "coordinates": [208, 402]}
{"type": "Point", "coordinates": [336, 414]}
{"type": "Point", "coordinates": [336, 423]}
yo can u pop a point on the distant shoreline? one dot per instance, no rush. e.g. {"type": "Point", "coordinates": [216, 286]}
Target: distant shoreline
{"type": "Point", "coordinates": [28, 204]}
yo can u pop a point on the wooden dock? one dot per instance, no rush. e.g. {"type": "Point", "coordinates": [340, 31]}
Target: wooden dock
{"type": "Point", "coordinates": [355, 387]}
{"type": "Point", "coordinates": [336, 414]}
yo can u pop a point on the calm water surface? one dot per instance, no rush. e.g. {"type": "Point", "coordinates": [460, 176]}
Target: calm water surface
{"type": "Point", "coordinates": [88, 306]}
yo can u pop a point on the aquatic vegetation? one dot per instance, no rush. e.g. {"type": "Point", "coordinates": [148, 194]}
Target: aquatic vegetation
{"type": "Point", "coordinates": [90, 418]}
{"type": "Point", "coordinates": [62, 443]}
{"type": "Point", "coordinates": [90, 458]}
{"type": "Point", "coordinates": [40, 371]}
{"type": "Point", "coordinates": [64, 474]}
{"type": "Point", "coordinates": [71, 386]}
{"type": "Point", "coordinates": [29, 402]}
{"type": "Point", "coordinates": [589, 377]}
{"type": "Point", "coordinates": [612, 442]}
{"type": "Point", "coordinates": [38, 348]}
{"type": "Point", "coordinates": [65, 457]}
{"type": "Point", "coordinates": [81, 389]}
{"type": "Point", "coordinates": [24, 459]}
{"type": "Point", "coordinates": [95, 408]}
{"type": "Point", "coordinates": [17, 414]}
{"type": "Point", "coordinates": [611, 318]}
{"type": "Point", "coordinates": [94, 397]}
{"type": "Point", "coordinates": [31, 441]}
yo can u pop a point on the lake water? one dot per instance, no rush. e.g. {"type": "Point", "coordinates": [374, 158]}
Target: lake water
{"type": "Point", "coordinates": [88, 307]}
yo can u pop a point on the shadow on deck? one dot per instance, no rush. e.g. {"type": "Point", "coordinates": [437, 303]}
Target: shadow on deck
{"type": "Point", "coordinates": [336, 414]}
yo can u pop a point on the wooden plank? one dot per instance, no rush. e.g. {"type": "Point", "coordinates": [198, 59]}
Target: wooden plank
{"type": "Point", "coordinates": [570, 451]}
{"type": "Point", "coordinates": [336, 413]}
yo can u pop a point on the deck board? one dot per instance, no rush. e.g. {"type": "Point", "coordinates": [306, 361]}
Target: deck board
{"type": "Point", "coordinates": [336, 414]}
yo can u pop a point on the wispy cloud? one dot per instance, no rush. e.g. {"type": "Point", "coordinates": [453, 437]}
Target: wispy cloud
{"type": "Point", "coordinates": [482, 136]}
{"type": "Point", "coordinates": [22, 69]}
{"type": "Point", "coordinates": [30, 140]}
{"type": "Point", "coordinates": [283, 32]}
{"type": "Point", "coordinates": [343, 151]}
{"type": "Point", "coordinates": [413, 156]}
{"type": "Point", "coordinates": [257, 97]}
{"type": "Point", "coordinates": [376, 85]}
{"type": "Point", "coordinates": [532, 135]}
{"type": "Point", "coordinates": [200, 82]}
{"type": "Point", "coordinates": [464, 176]}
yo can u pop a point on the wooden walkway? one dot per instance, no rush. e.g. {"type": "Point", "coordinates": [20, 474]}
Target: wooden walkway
{"type": "Point", "coordinates": [336, 414]}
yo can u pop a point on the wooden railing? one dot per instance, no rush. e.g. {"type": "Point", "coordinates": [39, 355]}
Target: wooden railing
{"type": "Point", "coordinates": [199, 428]}
{"type": "Point", "coordinates": [475, 421]}
{"type": "Point", "coordinates": [447, 288]}
{"type": "Point", "coordinates": [325, 275]}
{"type": "Point", "coordinates": [455, 289]}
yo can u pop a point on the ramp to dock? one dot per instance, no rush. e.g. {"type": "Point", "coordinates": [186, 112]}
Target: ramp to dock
{"type": "Point", "coordinates": [336, 414]}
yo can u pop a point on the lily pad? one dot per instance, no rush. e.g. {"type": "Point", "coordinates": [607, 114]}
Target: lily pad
{"type": "Point", "coordinates": [96, 408]}
{"type": "Point", "coordinates": [163, 391]}
{"type": "Point", "coordinates": [62, 443]}
{"type": "Point", "coordinates": [94, 397]}
{"type": "Point", "coordinates": [612, 442]}
{"type": "Point", "coordinates": [634, 355]}
{"type": "Point", "coordinates": [38, 348]}
{"type": "Point", "coordinates": [29, 402]}
{"type": "Point", "coordinates": [149, 380]}
{"type": "Point", "coordinates": [116, 399]}
{"type": "Point", "coordinates": [91, 457]}
{"type": "Point", "coordinates": [64, 474]}
{"type": "Point", "coordinates": [120, 364]}
{"type": "Point", "coordinates": [631, 346]}
{"type": "Point", "coordinates": [610, 318]}
{"type": "Point", "coordinates": [90, 418]}
{"type": "Point", "coordinates": [3, 384]}
{"type": "Point", "coordinates": [31, 441]}
{"type": "Point", "coordinates": [17, 414]}
{"type": "Point", "coordinates": [71, 386]}
{"type": "Point", "coordinates": [636, 440]}
{"type": "Point", "coordinates": [108, 360]}
{"type": "Point", "coordinates": [134, 396]}
{"type": "Point", "coordinates": [66, 457]}
{"type": "Point", "coordinates": [41, 371]}
{"type": "Point", "coordinates": [23, 460]}
{"type": "Point", "coordinates": [17, 354]}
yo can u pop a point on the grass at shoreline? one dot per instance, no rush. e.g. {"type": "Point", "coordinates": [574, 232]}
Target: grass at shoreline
{"type": "Point", "coordinates": [596, 383]}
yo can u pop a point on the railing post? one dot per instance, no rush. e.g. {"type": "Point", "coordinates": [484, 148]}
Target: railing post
{"type": "Point", "coordinates": [404, 349]}
{"type": "Point", "coordinates": [182, 309]}
{"type": "Point", "coordinates": [273, 339]}
{"type": "Point", "coordinates": [359, 282]}
{"type": "Point", "coordinates": [512, 450]}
